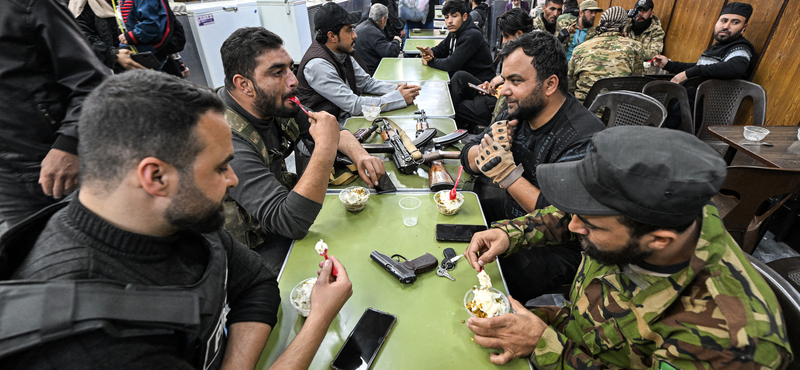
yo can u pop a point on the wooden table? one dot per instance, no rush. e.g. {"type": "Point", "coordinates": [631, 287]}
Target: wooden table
{"type": "Point", "coordinates": [419, 180]}
{"type": "Point", "coordinates": [427, 34]}
{"type": "Point", "coordinates": [408, 70]}
{"type": "Point", "coordinates": [784, 154]}
{"type": "Point", "coordinates": [411, 45]}
{"type": "Point", "coordinates": [429, 333]}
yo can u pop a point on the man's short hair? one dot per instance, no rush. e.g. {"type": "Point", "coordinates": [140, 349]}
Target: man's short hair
{"type": "Point", "coordinates": [557, 2]}
{"type": "Point", "coordinates": [322, 38]}
{"type": "Point", "coordinates": [240, 50]}
{"type": "Point", "coordinates": [378, 12]}
{"type": "Point", "coordinates": [453, 6]}
{"type": "Point", "coordinates": [548, 55]}
{"type": "Point", "coordinates": [515, 20]}
{"type": "Point", "coordinates": [140, 114]}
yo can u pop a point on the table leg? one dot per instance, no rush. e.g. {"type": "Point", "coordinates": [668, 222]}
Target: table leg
{"type": "Point", "coordinates": [729, 154]}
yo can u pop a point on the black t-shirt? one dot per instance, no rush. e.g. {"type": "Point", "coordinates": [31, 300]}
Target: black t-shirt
{"type": "Point", "coordinates": [564, 138]}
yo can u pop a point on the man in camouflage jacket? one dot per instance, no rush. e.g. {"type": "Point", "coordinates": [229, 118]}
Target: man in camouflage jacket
{"type": "Point", "coordinates": [662, 284]}
{"type": "Point", "coordinates": [546, 21]}
{"type": "Point", "coordinates": [572, 30]}
{"type": "Point", "coordinates": [609, 54]}
{"type": "Point", "coordinates": [645, 27]}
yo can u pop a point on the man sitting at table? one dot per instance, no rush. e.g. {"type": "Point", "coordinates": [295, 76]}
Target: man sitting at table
{"type": "Point", "coordinates": [473, 108]}
{"type": "Point", "coordinates": [549, 126]}
{"type": "Point", "coordinates": [329, 77]}
{"type": "Point", "coordinates": [662, 286]}
{"type": "Point", "coordinates": [271, 206]}
{"type": "Point", "coordinates": [145, 226]}
{"type": "Point", "coordinates": [373, 45]}
{"type": "Point", "coordinates": [464, 48]}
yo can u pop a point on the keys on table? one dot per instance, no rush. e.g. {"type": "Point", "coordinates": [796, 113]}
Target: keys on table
{"type": "Point", "coordinates": [448, 263]}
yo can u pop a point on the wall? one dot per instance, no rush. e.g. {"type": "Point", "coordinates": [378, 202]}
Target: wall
{"type": "Point", "coordinates": [689, 25]}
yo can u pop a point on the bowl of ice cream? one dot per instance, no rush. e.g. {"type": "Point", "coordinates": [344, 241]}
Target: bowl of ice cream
{"type": "Point", "coordinates": [354, 198]}
{"type": "Point", "coordinates": [370, 112]}
{"type": "Point", "coordinates": [486, 302]}
{"type": "Point", "coordinates": [301, 296]}
{"type": "Point", "coordinates": [446, 206]}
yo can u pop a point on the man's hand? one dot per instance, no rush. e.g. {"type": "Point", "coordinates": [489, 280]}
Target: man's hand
{"type": "Point", "coordinates": [370, 169]}
{"type": "Point", "coordinates": [494, 161]}
{"type": "Point", "coordinates": [409, 92]}
{"type": "Point", "coordinates": [426, 54]}
{"type": "Point", "coordinates": [517, 334]}
{"type": "Point", "coordinates": [501, 132]}
{"type": "Point", "coordinates": [403, 33]}
{"type": "Point", "coordinates": [124, 59]}
{"type": "Point", "coordinates": [324, 129]}
{"type": "Point", "coordinates": [485, 246]}
{"type": "Point", "coordinates": [680, 77]}
{"type": "Point", "coordinates": [122, 39]}
{"type": "Point", "coordinates": [398, 39]}
{"type": "Point", "coordinates": [59, 174]}
{"type": "Point", "coordinates": [488, 87]}
{"type": "Point", "coordinates": [660, 61]}
{"type": "Point", "coordinates": [330, 292]}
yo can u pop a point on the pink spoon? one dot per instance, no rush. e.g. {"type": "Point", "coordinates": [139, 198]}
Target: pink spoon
{"type": "Point", "coordinates": [453, 192]}
{"type": "Point", "coordinates": [297, 101]}
{"type": "Point", "coordinates": [324, 253]}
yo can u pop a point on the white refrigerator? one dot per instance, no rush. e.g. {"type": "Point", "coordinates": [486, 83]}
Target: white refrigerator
{"type": "Point", "coordinates": [212, 23]}
{"type": "Point", "coordinates": [289, 20]}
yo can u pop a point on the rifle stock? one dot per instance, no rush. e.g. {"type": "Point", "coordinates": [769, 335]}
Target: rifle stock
{"type": "Point", "coordinates": [438, 177]}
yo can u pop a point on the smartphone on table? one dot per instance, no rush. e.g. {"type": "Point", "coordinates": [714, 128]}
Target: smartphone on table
{"type": "Point", "coordinates": [364, 342]}
{"type": "Point", "coordinates": [457, 233]}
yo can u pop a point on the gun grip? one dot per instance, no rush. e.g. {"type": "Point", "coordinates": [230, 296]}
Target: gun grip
{"type": "Point", "coordinates": [422, 264]}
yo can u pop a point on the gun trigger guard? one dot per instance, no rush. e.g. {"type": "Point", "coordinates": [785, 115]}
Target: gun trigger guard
{"type": "Point", "coordinates": [396, 256]}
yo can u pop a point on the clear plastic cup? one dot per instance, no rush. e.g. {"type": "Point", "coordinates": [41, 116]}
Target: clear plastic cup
{"type": "Point", "coordinates": [755, 133]}
{"type": "Point", "coordinates": [370, 112]}
{"type": "Point", "coordinates": [471, 294]}
{"type": "Point", "coordinates": [300, 301]}
{"type": "Point", "coordinates": [409, 207]}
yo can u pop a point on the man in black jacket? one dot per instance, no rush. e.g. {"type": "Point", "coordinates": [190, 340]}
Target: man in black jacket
{"type": "Point", "coordinates": [729, 58]}
{"type": "Point", "coordinates": [372, 44]}
{"type": "Point", "coordinates": [464, 48]}
{"type": "Point", "coordinates": [46, 70]}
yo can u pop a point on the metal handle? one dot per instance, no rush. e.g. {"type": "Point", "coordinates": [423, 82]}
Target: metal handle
{"type": "Point", "coordinates": [230, 8]}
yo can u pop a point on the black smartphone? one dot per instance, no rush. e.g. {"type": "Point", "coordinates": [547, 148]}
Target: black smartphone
{"type": "Point", "coordinates": [385, 185]}
{"type": "Point", "coordinates": [476, 87]}
{"type": "Point", "coordinates": [364, 341]}
{"type": "Point", "coordinates": [147, 60]}
{"type": "Point", "coordinates": [457, 233]}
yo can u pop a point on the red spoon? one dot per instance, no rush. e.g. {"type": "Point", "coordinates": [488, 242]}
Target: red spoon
{"type": "Point", "coordinates": [453, 192]}
{"type": "Point", "coordinates": [322, 249]}
{"type": "Point", "coordinates": [295, 100]}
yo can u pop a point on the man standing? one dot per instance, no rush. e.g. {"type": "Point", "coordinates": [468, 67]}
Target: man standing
{"type": "Point", "coordinates": [329, 77]}
{"type": "Point", "coordinates": [46, 71]}
{"type": "Point", "coordinates": [609, 54]}
{"type": "Point", "coordinates": [645, 27]}
{"type": "Point", "coordinates": [662, 285]}
{"type": "Point", "coordinates": [272, 206]}
{"type": "Point", "coordinates": [550, 12]}
{"type": "Point", "coordinates": [519, 4]}
{"type": "Point", "coordinates": [549, 126]}
{"type": "Point", "coordinates": [373, 45]}
{"type": "Point", "coordinates": [154, 171]}
{"type": "Point", "coordinates": [464, 48]}
{"type": "Point", "coordinates": [575, 33]}
{"type": "Point", "coordinates": [729, 58]}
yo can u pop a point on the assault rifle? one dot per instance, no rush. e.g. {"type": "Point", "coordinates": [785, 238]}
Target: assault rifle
{"type": "Point", "coordinates": [438, 177]}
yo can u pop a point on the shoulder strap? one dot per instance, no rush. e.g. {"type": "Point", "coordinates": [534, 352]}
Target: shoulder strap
{"type": "Point", "coordinates": [243, 129]}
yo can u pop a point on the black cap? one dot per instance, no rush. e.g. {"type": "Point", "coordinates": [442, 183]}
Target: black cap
{"type": "Point", "coordinates": [331, 15]}
{"type": "Point", "coordinates": [652, 175]}
{"type": "Point", "coordinates": [644, 4]}
{"type": "Point", "coordinates": [745, 10]}
{"type": "Point", "coordinates": [571, 6]}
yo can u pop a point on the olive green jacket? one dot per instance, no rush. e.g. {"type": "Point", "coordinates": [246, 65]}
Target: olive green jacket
{"type": "Point", "coordinates": [652, 38]}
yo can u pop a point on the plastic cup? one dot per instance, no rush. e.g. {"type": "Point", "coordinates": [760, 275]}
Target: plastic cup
{"type": "Point", "coordinates": [471, 293]}
{"type": "Point", "coordinates": [298, 299]}
{"type": "Point", "coordinates": [370, 113]}
{"type": "Point", "coordinates": [755, 133]}
{"type": "Point", "coordinates": [448, 209]}
{"type": "Point", "coordinates": [409, 206]}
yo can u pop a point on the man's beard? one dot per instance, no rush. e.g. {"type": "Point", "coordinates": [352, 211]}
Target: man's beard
{"type": "Point", "coordinates": [586, 22]}
{"type": "Point", "coordinates": [531, 106]}
{"type": "Point", "coordinates": [264, 104]}
{"type": "Point", "coordinates": [727, 39]}
{"type": "Point", "coordinates": [632, 253]}
{"type": "Point", "coordinates": [640, 26]}
{"type": "Point", "coordinates": [191, 210]}
{"type": "Point", "coordinates": [342, 50]}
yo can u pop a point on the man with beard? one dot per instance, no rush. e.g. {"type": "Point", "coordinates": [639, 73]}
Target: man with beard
{"type": "Point", "coordinates": [662, 285]}
{"type": "Point", "coordinates": [330, 78]}
{"type": "Point", "coordinates": [573, 33]}
{"type": "Point", "coordinates": [145, 230]}
{"type": "Point", "coordinates": [729, 58]}
{"type": "Point", "coordinates": [609, 54]}
{"type": "Point", "coordinates": [550, 12]}
{"type": "Point", "coordinates": [548, 126]}
{"type": "Point", "coordinates": [271, 206]}
{"type": "Point", "coordinates": [645, 27]}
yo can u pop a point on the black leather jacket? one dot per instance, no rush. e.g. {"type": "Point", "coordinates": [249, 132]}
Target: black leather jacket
{"type": "Point", "coordinates": [46, 70]}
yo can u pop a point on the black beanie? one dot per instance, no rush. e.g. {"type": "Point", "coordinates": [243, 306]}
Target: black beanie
{"type": "Point", "coordinates": [745, 10]}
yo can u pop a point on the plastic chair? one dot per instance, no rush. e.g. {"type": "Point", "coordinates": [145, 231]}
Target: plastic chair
{"type": "Point", "coordinates": [718, 101]}
{"type": "Point", "coordinates": [743, 192]}
{"type": "Point", "coordinates": [788, 296]}
{"type": "Point", "coordinates": [628, 83]}
{"type": "Point", "coordinates": [667, 93]}
{"type": "Point", "coordinates": [628, 108]}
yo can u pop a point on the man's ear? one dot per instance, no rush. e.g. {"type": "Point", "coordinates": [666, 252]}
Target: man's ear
{"type": "Point", "coordinates": [244, 85]}
{"type": "Point", "coordinates": [157, 177]}
{"type": "Point", "coordinates": [551, 85]}
{"type": "Point", "coordinates": [332, 36]}
{"type": "Point", "coordinates": [464, 17]}
{"type": "Point", "coordinates": [744, 28]}
{"type": "Point", "coordinates": [660, 239]}
{"type": "Point", "coordinates": [518, 33]}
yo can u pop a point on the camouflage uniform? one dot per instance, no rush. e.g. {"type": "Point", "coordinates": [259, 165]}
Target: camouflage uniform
{"type": "Point", "coordinates": [652, 38]}
{"type": "Point", "coordinates": [717, 312]}
{"type": "Point", "coordinates": [566, 20]}
{"type": "Point", "coordinates": [606, 55]}
{"type": "Point", "coordinates": [538, 23]}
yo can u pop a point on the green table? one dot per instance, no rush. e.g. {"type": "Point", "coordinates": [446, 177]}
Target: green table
{"type": "Point", "coordinates": [434, 98]}
{"type": "Point", "coordinates": [419, 180]}
{"type": "Point", "coordinates": [408, 69]}
{"type": "Point", "coordinates": [429, 333]}
{"type": "Point", "coordinates": [426, 34]}
{"type": "Point", "coordinates": [411, 45]}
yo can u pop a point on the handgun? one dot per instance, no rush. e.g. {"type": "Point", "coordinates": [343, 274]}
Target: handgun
{"type": "Point", "coordinates": [407, 270]}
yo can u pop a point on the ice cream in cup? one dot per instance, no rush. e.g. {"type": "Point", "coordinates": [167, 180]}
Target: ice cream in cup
{"type": "Point", "coordinates": [301, 296]}
{"type": "Point", "coordinates": [370, 112]}
{"type": "Point", "coordinates": [484, 301]}
{"type": "Point", "coordinates": [446, 206]}
{"type": "Point", "coordinates": [354, 198]}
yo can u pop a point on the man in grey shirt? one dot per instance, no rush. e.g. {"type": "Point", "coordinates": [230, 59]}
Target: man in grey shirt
{"type": "Point", "coordinates": [331, 79]}
{"type": "Point", "coordinates": [272, 206]}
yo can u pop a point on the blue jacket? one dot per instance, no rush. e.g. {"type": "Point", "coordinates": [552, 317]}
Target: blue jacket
{"type": "Point", "coordinates": [147, 23]}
